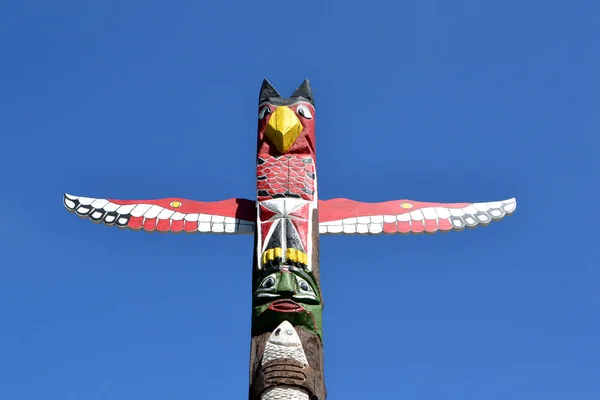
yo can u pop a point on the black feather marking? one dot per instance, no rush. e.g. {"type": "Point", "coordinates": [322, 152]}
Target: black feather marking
{"type": "Point", "coordinates": [83, 210]}
{"type": "Point", "coordinates": [110, 218]}
{"type": "Point", "coordinates": [97, 214]}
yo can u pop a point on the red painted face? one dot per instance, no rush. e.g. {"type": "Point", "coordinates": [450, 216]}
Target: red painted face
{"type": "Point", "coordinates": [304, 145]}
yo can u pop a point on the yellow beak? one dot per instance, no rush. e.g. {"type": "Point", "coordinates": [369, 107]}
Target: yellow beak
{"type": "Point", "coordinates": [283, 128]}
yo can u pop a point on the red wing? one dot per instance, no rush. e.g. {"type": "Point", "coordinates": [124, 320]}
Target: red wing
{"type": "Point", "coordinates": [405, 216]}
{"type": "Point", "coordinates": [168, 215]}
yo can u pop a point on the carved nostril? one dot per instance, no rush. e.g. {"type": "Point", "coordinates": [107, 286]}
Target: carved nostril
{"type": "Point", "coordinates": [277, 331]}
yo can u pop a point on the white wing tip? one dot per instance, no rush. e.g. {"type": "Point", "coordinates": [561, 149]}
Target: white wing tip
{"type": "Point", "coordinates": [70, 202]}
{"type": "Point", "coordinates": [510, 205]}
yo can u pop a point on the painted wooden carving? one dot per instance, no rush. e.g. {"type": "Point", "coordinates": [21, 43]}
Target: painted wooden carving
{"type": "Point", "coordinates": [286, 360]}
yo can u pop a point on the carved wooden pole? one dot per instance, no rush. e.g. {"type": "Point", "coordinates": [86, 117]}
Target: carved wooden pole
{"type": "Point", "coordinates": [286, 357]}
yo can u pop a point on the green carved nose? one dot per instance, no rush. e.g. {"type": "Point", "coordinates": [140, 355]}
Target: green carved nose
{"type": "Point", "coordinates": [286, 283]}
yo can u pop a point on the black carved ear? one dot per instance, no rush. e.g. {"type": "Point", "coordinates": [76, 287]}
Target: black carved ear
{"type": "Point", "coordinates": [267, 91]}
{"type": "Point", "coordinates": [304, 90]}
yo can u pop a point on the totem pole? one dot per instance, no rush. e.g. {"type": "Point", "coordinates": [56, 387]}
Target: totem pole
{"type": "Point", "coordinates": [286, 357]}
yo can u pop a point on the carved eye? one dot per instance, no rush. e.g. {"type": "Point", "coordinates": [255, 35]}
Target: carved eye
{"type": "Point", "coordinates": [264, 112]}
{"type": "Point", "coordinates": [304, 286]}
{"type": "Point", "coordinates": [304, 111]}
{"type": "Point", "coordinates": [267, 283]}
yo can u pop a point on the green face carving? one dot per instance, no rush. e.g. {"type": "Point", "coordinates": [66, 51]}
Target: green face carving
{"type": "Point", "coordinates": [285, 292]}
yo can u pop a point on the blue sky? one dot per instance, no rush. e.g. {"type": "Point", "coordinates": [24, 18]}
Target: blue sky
{"type": "Point", "coordinates": [424, 100]}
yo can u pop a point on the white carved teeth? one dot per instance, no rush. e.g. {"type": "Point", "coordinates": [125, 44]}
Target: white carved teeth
{"type": "Point", "coordinates": [335, 229]}
{"type": "Point", "coordinates": [388, 219]}
{"type": "Point", "coordinates": [482, 217]}
{"type": "Point", "coordinates": [496, 213]}
{"type": "Point", "coordinates": [192, 217]}
{"type": "Point", "coordinates": [442, 212]}
{"type": "Point", "coordinates": [110, 207]}
{"type": "Point", "coordinates": [126, 209]}
{"type": "Point", "coordinates": [429, 213]}
{"type": "Point", "coordinates": [217, 218]}
{"type": "Point", "coordinates": [403, 217]}
{"type": "Point", "coordinates": [229, 228]}
{"type": "Point", "coordinates": [456, 212]}
{"type": "Point", "coordinates": [416, 215]}
{"type": "Point", "coordinates": [96, 215]}
{"type": "Point", "coordinates": [70, 204]}
{"type": "Point", "coordinates": [349, 229]}
{"type": "Point", "coordinates": [470, 209]}
{"type": "Point", "coordinates": [152, 212]}
{"type": "Point", "coordinates": [122, 221]}
{"type": "Point", "coordinates": [99, 203]}
{"type": "Point", "coordinates": [509, 205]}
{"type": "Point", "coordinates": [110, 217]}
{"type": "Point", "coordinates": [363, 220]}
{"type": "Point", "coordinates": [375, 228]}
{"type": "Point", "coordinates": [457, 223]}
{"type": "Point", "coordinates": [218, 228]}
{"type": "Point", "coordinates": [177, 216]}
{"type": "Point", "coordinates": [377, 219]}
{"type": "Point", "coordinates": [83, 210]}
{"type": "Point", "coordinates": [86, 201]}
{"type": "Point", "coordinates": [481, 206]}
{"type": "Point", "coordinates": [165, 214]}
{"type": "Point", "coordinates": [138, 210]}
{"type": "Point", "coordinates": [470, 221]}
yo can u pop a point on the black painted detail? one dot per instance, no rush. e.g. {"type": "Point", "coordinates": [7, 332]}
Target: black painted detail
{"type": "Point", "coordinates": [97, 214]}
{"type": "Point", "coordinates": [269, 94]}
{"type": "Point", "coordinates": [260, 161]}
{"type": "Point", "coordinates": [267, 91]}
{"type": "Point", "coordinates": [291, 195]}
{"type": "Point", "coordinates": [275, 239]}
{"type": "Point", "coordinates": [311, 175]}
{"type": "Point", "coordinates": [292, 238]}
{"type": "Point", "coordinates": [304, 91]}
{"type": "Point", "coordinates": [122, 220]}
{"type": "Point", "coordinates": [76, 202]}
{"type": "Point", "coordinates": [263, 192]}
{"type": "Point", "coordinates": [110, 218]}
{"type": "Point", "coordinates": [274, 262]}
{"type": "Point", "coordinates": [261, 178]}
{"type": "Point", "coordinates": [83, 210]}
{"type": "Point", "coordinates": [308, 191]}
